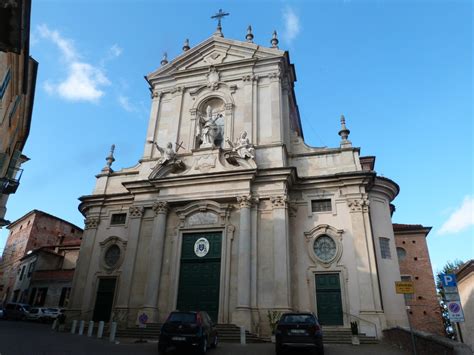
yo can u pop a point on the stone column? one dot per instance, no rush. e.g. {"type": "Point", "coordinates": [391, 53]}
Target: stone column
{"type": "Point", "coordinates": [128, 266]}
{"type": "Point", "coordinates": [242, 315]}
{"type": "Point", "coordinates": [82, 268]}
{"type": "Point", "coordinates": [155, 261]}
{"type": "Point", "coordinates": [281, 256]}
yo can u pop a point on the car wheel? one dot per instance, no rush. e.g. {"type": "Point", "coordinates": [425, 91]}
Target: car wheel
{"type": "Point", "coordinates": [214, 343]}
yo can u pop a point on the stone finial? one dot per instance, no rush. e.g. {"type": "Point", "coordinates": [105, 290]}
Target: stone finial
{"type": "Point", "coordinates": [110, 159]}
{"type": "Point", "coordinates": [249, 36]}
{"type": "Point", "coordinates": [344, 133]}
{"type": "Point", "coordinates": [274, 40]}
{"type": "Point", "coordinates": [164, 60]}
{"type": "Point", "coordinates": [186, 45]}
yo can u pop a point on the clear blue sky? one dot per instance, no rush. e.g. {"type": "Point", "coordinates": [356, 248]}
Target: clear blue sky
{"type": "Point", "coordinates": [400, 71]}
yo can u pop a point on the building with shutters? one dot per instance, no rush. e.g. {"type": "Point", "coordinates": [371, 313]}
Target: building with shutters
{"type": "Point", "coordinates": [229, 210]}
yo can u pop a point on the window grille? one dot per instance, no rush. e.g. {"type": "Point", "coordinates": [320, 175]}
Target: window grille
{"type": "Point", "coordinates": [385, 248]}
{"type": "Point", "coordinates": [321, 205]}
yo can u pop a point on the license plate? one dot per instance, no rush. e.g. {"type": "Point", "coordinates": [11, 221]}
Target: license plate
{"type": "Point", "coordinates": [178, 338]}
{"type": "Point", "coordinates": [297, 331]}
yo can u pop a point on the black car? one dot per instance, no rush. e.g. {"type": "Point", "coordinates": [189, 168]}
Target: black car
{"type": "Point", "coordinates": [192, 330]}
{"type": "Point", "coordinates": [299, 330]}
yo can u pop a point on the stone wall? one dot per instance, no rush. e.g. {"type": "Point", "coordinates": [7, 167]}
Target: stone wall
{"type": "Point", "coordinates": [425, 343]}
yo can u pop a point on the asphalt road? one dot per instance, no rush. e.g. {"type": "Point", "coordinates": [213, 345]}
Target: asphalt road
{"type": "Point", "coordinates": [18, 338]}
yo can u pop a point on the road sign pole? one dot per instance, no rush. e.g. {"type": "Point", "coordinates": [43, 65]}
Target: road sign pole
{"type": "Point", "coordinates": [413, 342]}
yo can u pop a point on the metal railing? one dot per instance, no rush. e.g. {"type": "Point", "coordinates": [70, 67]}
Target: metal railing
{"type": "Point", "coordinates": [374, 325]}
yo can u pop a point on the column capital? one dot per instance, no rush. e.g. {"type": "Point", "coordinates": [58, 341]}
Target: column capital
{"type": "Point", "coordinates": [245, 201]}
{"type": "Point", "coordinates": [160, 207]}
{"type": "Point", "coordinates": [91, 222]}
{"type": "Point", "coordinates": [279, 201]}
{"type": "Point", "coordinates": [358, 205]}
{"type": "Point", "coordinates": [136, 211]}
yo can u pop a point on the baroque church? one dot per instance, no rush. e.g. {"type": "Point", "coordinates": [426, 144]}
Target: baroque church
{"type": "Point", "coordinates": [230, 211]}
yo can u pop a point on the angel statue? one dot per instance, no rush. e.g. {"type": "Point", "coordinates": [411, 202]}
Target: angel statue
{"type": "Point", "coordinates": [242, 146]}
{"type": "Point", "coordinates": [168, 155]}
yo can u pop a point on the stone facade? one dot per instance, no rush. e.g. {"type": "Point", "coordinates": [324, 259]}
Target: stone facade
{"type": "Point", "coordinates": [17, 90]}
{"type": "Point", "coordinates": [225, 155]}
{"type": "Point", "coordinates": [34, 230]}
{"type": "Point", "coordinates": [415, 265]}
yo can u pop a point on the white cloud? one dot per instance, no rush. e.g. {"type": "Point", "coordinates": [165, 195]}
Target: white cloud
{"type": "Point", "coordinates": [292, 24]}
{"type": "Point", "coordinates": [83, 81]}
{"type": "Point", "coordinates": [115, 50]}
{"type": "Point", "coordinates": [124, 102]}
{"type": "Point", "coordinates": [461, 218]}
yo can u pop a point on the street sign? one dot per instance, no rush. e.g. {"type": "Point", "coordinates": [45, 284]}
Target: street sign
{"type": "Point", "coordinates": [142, 319]}
{"type": "Point", "coordinates": [451, 296]}
{"type": "Point", "coordinates": [455, 312]}
{"type": "Point", "coordinates": [448, 280]}
{"type": "Point", "coordinates": [404, 287]}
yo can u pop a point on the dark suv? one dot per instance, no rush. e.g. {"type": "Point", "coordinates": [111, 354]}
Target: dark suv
{"type": "Point", "coordinates": [299, 330]}
{"type": "Point", "coordinates": [192, 330]}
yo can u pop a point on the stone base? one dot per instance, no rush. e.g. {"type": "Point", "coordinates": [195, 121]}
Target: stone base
{"type": "Point", "coordinates": [242, 317]}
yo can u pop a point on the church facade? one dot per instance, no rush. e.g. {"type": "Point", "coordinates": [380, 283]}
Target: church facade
{"type": "Point", "coordinates": [229, 211]}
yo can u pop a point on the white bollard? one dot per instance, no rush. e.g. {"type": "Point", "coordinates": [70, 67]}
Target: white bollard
{"type": "Point", "coordinates": [100, 331]}
{"type": "Point", "coordinates": [73, 327]}
{"type": "Point", "coordinates": [81, 327]}
{"type": "Point", "coordinates": [90, 328]}
{"type": "Point", "coordinates": [242, 336]}
{"type": "Point", "coordinates": [53, 327]}
{"type": "Point", "coordinates": [113, 330]}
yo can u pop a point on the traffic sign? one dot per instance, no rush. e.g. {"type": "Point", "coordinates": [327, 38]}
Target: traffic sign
{"type": "Point", "coordinates": [404, 287]}
{"type": "Point", "coordinates": [142, 319]}
{"type": "Point", "coordinates": [451, 296]}
{"type": "Point", "coordinates": [448, 280]}
{"type": "Point", "coordinates": [455, 312]}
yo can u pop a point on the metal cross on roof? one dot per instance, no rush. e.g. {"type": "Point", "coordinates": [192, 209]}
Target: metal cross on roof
{"type": "Point", "coordinates": [219, 16]}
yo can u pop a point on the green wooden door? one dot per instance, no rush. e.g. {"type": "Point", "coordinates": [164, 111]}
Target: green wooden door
{"type": "Point", "coordinates": [328, 299]}
{"type": "Point", "coordinates": [104, 299]}
{"type": "Point", "coordinates": [199, 276]}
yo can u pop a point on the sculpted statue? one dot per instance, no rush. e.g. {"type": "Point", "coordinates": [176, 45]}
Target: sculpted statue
{"type": "Point", "coordinates": [208, 129]}
{"type": "Point", "coordinates": [242, 146]}
{"type": "Point", "coordinates": [168, 155]}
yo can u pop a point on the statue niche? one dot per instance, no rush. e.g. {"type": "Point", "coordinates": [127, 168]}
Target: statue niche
{"type": "Point", "coordinates": [210, 130]}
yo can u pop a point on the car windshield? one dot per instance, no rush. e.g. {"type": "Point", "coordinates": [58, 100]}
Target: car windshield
{"type": "Point", "coordinates": [297, 318]}
{"type": "Point", "coordinates": [182, 317]}
{"type": "Point", "coordinates": [52, 310]}
{"type": "Point", "coordinates": [26, 308]}
{"type": "Point", "coordinates": [34, 310]}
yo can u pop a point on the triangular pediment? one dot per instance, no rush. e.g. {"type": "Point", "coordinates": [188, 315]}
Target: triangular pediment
{"type": "Point", "coordinates": [215, 51]}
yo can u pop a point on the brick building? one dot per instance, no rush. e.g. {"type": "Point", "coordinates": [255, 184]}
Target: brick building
{"type": "Point", "coordinates": [34, 230]}
{"type": "Point", "coordinates": [415, 265]}
{"type": "Point", "coordinates": [465, 280]}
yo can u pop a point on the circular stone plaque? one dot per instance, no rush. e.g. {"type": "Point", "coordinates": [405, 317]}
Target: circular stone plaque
{"type": "Point", "coordinates": [201, 247]}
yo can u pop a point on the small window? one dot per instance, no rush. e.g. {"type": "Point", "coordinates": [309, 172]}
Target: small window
{"type": "Point", "coordinates": [22, 272]}
{"type": "Point", "coordinates": [385, 248]}
{"type": "Point", "coordinates": [31, 268]}
{"type": "Point", "coordinates": [401, 253]}
{"type": "Point", "coordinates": [118, 218]}
{"type": "Point", "coordinates": [321, 205]}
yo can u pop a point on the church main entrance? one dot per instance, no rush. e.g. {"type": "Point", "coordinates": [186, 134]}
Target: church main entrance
{"type": "Point", "coordinates": [328, 299]}
{"type": "Point", "coordinates": [200, 273]}
{"type": "Point", "coordinates": [104, 299]}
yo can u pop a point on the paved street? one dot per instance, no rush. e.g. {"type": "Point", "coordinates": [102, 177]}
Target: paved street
{"type": "Point", "coordinates": [18, 338]}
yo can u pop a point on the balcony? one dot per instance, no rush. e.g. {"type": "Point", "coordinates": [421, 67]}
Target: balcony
{"type": "Point", "coordinates": [10, 185]}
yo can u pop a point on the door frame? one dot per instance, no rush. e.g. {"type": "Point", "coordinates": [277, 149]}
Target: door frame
{"type": "Point", "coordinates": [343, 281]}
{"type": "Point", "coordinates": [96, 289]}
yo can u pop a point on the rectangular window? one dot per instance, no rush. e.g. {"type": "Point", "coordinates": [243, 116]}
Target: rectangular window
{"type": "Point", "coordinates": [31, 268]}
{"type": "Point", "coordinates": [6, 80]}
{"type": "Point", "coordinates": [385, 248]}
{"type": "Point", "coordinates": [64, 299]}
{"type": "Point", "coordinates": [408, 296]}
{"type": "Point", "coordinates": [22, 272]}
{"type": "Point", "coordinates": [321, 205]}
{"type": "Point", "coordinates": [118, 218]}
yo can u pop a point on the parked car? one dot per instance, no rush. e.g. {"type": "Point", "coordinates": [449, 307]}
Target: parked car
{"type": "Point", "coordinates": [299, 330]}
{"type": "Point", "coordinates": [192, 330]}
{"type": "Point", "coordinates": [37, 314]}
{"type": "Point", "coordinates": [52, 312]}
{"type": "Point", "coordinates": [14, 310]}
{"type": "Point", "coordinates": [1, 312]}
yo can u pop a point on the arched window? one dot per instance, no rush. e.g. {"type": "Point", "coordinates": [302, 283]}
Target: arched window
{"type": "Point", "coordinates": [401, 253]}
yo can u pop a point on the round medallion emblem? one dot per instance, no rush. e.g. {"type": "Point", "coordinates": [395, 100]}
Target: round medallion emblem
{"type": "Point", "coordinates": [201, 247]}
{"type": "Point", "coordinates": [112, 255]}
